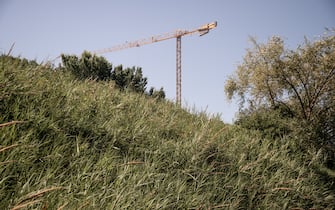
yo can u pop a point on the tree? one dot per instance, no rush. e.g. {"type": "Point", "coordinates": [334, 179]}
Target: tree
{"type": "Point", "coordinates": [158, 94]}
{"type": "Point", "coordinates": [88, 66]}
{"type": "Point", "coordinates": [300, 82]}
{"type": "Point", "coordinates": [129, 79]}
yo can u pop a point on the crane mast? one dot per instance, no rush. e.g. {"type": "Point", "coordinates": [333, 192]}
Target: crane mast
{"type": "Point", "coordinates": [176, 34]}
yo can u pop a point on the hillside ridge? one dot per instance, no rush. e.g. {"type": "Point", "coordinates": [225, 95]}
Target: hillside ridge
{"type": "Point", "coordinates": [70, 144]}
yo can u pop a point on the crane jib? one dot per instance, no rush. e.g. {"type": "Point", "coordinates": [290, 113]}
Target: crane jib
{"type": "Point", "coordinates": [176, 34]}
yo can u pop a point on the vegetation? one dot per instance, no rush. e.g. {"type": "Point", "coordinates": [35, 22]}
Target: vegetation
{"type": "Point", "coordinates": [88, 66]}
{"type": "Point", "coordinates": [94, 67]}
{"type": "Point", "coordinates": [69, 143]}
{"type": "Point", "coordinates": [129, 79]}
{"type": "Point", "coordinates": [296, 87]}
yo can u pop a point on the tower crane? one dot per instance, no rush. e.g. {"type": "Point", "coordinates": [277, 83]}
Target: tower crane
{"type": "Point", "coordinates": [157, 38]}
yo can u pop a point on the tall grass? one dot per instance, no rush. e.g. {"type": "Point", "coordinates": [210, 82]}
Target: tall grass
{"type": "Point", "coordinates": [68, 144]}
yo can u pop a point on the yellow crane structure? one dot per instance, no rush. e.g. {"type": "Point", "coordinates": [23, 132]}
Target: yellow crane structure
{"type": "Point", "coordinates": [176, 34]}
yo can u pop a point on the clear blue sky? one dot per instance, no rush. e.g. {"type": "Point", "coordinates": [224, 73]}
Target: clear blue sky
{"type": "Point", "coordinates": [42, 29]}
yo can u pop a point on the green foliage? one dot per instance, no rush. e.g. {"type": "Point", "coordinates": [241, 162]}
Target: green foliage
{"type": "Point", "coordinates": [301, 81]}
{"type": "Point", "coordinates": [94, 67]}
{"type": "Point", "coordinates": [129, 79]}
{"type": "Point", "coordinates": [88, 66]}
{"type": "Point", "coordinates": [159, 94]}
{"type": "Point", "coordinates": [271, 123]}
{"type": "Point", "coordinates": [72, 144]}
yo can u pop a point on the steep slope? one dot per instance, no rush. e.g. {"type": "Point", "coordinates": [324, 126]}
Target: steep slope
{"type": "Point", "coordinates": [68, 144]}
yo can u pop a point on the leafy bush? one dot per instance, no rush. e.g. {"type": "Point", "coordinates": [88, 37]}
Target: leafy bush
{"type": "Point", "coordinates": [299, 82]}
{"type": "Point", "coordinates": [271, 123]}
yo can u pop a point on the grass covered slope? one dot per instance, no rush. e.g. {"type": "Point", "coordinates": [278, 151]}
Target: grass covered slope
{"type": "Point", "coordinates": [68, 144]}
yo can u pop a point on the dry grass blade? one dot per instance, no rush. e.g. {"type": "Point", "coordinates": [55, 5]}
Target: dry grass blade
{"type": "Point", "coordinates": [11, 123]}
{"type": "Point", "coordinates": [221, 206]}
{"type": "Point", "coordinates": [8, 147]}
{"type": "Point", "coordinates": [39, 193]}
{"type": "Point", "coordinates": [217, 173]}
{"type": "Point", "coordinates": [23, 205]}
{"type": "Point", "coordinates": [11, 49]}
{"type": "Point", "coordinates": [6, 162]}
{"type": "Point", "coordinates": [282, 188]}
{"type": "Point", "coordinates": [62, 206]}
{"type": "Point", "coordinates": [84, 204]}
{"type": "Point", "coordinates": [219, 132]}
{"type": "Point", "coordinates": [133, 163]}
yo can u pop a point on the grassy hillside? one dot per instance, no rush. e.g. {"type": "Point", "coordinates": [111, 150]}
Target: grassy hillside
{"type": "Point", "coordinates": [68, 144]}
